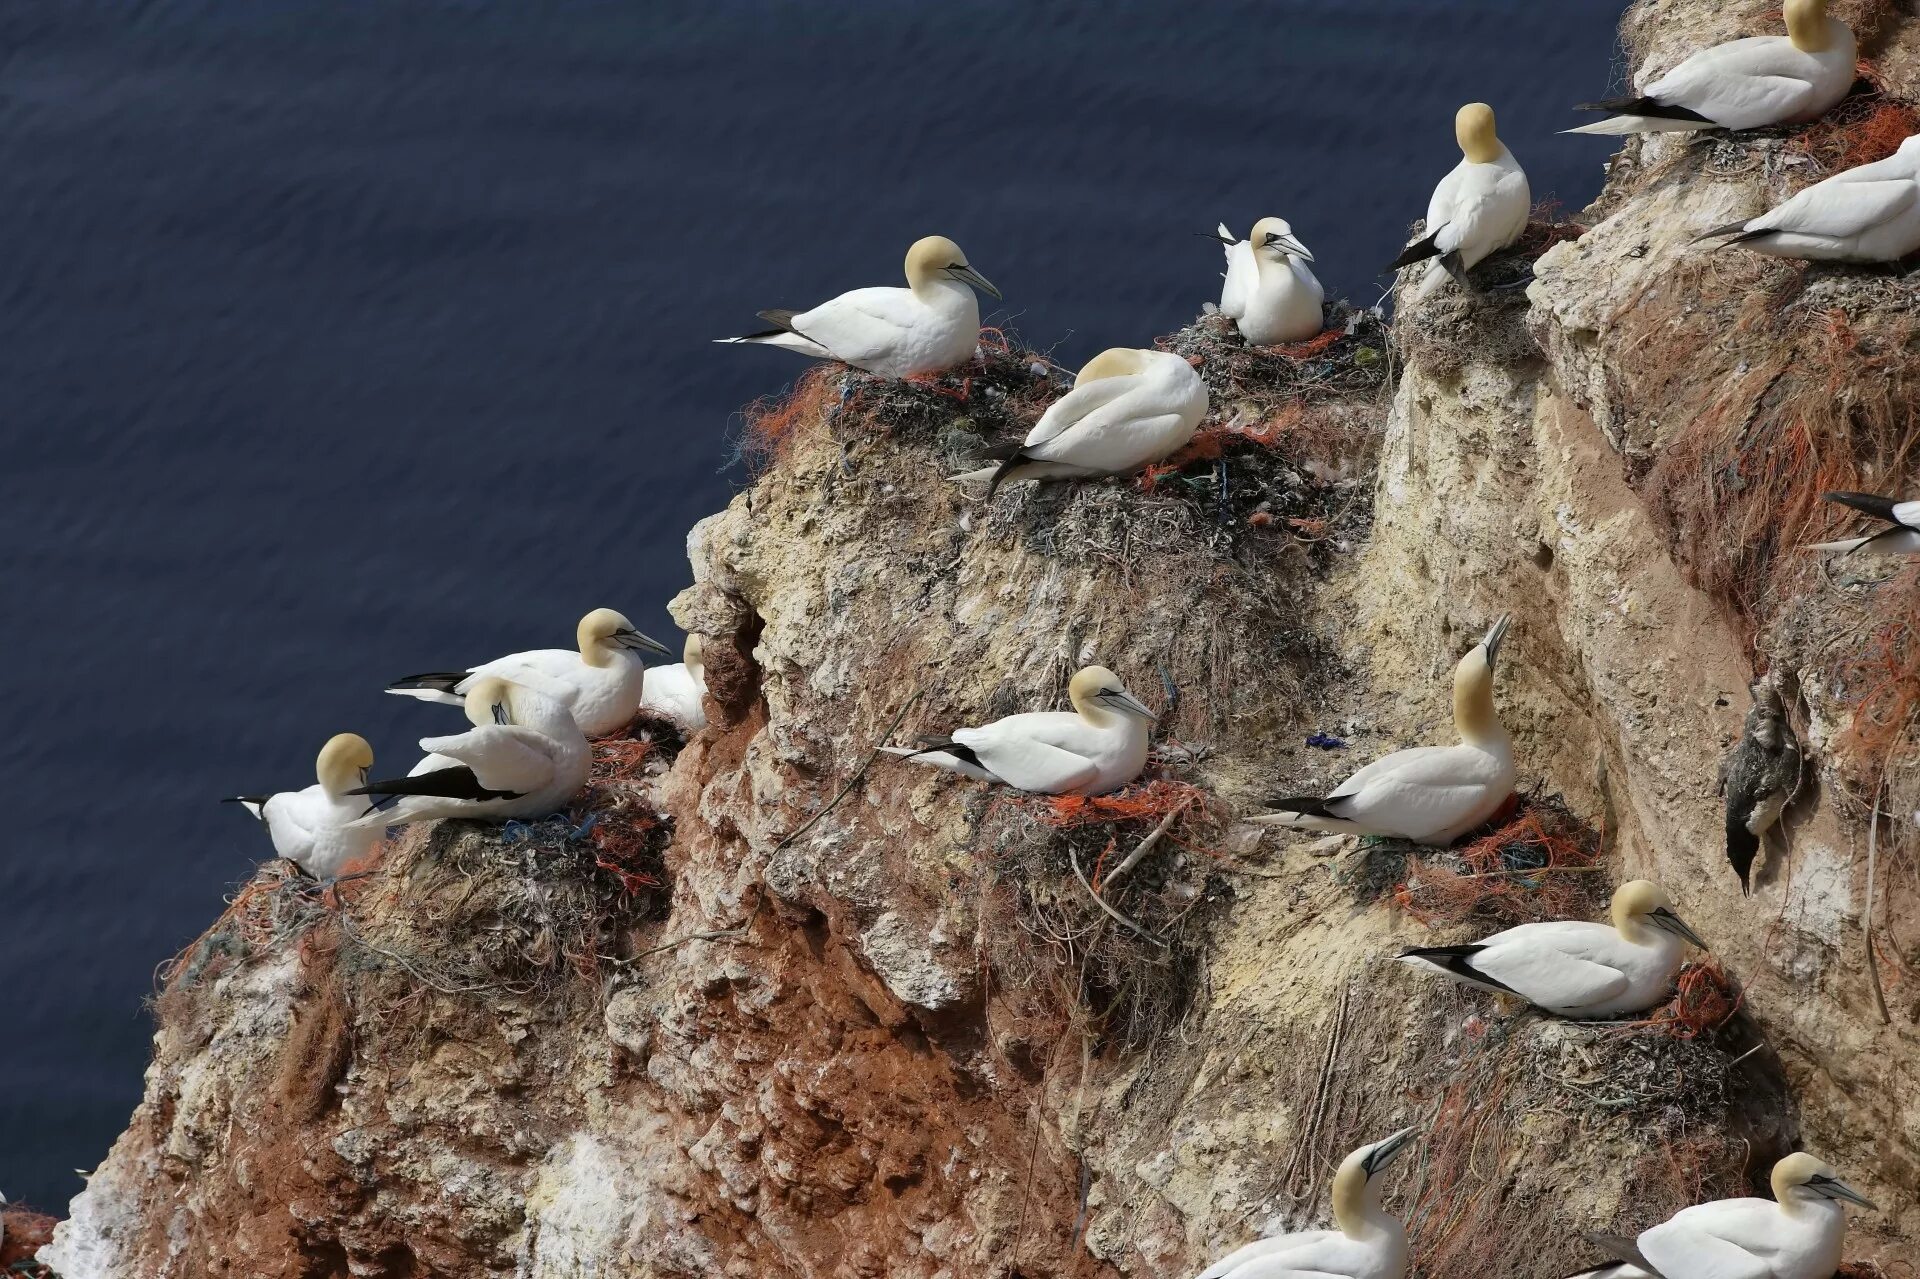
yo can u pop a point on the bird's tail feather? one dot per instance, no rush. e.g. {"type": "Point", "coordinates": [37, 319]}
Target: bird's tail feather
{"type": "Point", "coordinates": [433, 686]}
{"type": "Point", "coordinates": [255, 804]}
{"type": "Point", "coordinates": [1418, 251]}
{"type": "Point", "coordinates": [1845, 544]}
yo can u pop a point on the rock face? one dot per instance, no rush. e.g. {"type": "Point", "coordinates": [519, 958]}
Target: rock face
{"type": "Point", "coordinates": [785, 1009]}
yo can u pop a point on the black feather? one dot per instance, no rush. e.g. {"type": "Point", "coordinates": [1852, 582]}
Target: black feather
{"type": "Point", "coordinates": [1729, 230]}
{"type": "Point", "coordinates": [1623, 1250]}
{"type": "Point", "coordinates": [1457, 960]}
{"type": "Point", "coordinates": [258, 801]}
{"type": "Point", "coordinates": [1419, 251]}
{"type": "Point", "coordinates": [458, 782]}
{"type": "Point", "coordinates": [438, 681]}
{"type": "Point", "coordinates": [1006, 468]}
{"type": "Point", "coordinates": [929, 745]}
{"type": "Point", "coordinates": [1742, 844]}
{"type": "Point", "coordinates": [1307, 805]}
{"type": "Point", "coordinates": [1647, 107]}
{"type": "Point", "coordinates": [1881, 508]}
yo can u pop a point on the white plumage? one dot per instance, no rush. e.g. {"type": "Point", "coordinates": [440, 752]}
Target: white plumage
{"type": "Point", "coordinates": [930, 326]}
{"type": "Point", "coordinates": [1479, 208]}
{"type": "Point", "coordinates": [1866, 214]}
{"type": "Point", "coordinates": [1127, 408]}
{"type": "Point", "coordinates": [1429, 794]}
{"type": "Point", "coordinates": [1577, 969]}
{"type": "Point", "coordinates": [679, 691]}
{"type": "Point", "coordinates": [314, 828]}
{"type": "Point", "coordinates": [1098, 747]}
{"type": "Point", "coordinates": [600, 683]}
{"type": "Point", "coordinates": [1795, 1235]}
{"type": "Point", "coordinates": [1269, 292]}
{"type": "Point", "coordinates": [1366, 1242]}
{"type": "Point", "coordinates": [526, 758]}
{"type": "Point", "coordinates": [1744, 84]}
{"type": "Point", "coordinates": [1901, 536]}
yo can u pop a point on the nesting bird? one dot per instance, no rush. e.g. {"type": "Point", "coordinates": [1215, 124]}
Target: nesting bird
{"type": "Point", "coordinates": [1128, 408]}
{"type": "Point", "coordinates": [600, 683]}
{"type": "Point", "coordinates": [524, 757]}
{"type": "Point", "coordinates": [1429, 794]}
{"type": "Point", "coordinates": [1795, 1235]}
{"type": "Point", "coordinates": [1270, 293]}
{"type": "Point", "coordinates": [1901, 536]}
{"type": "Point", "coordinates": [930, 326]}
{"type": "Point", "coordinates": [1759, 778]}
{"type": "Point", "coordinates": [1479, 208]}
{"type": "Point", "coordinates": [1866, 214]}
{"type": "Point", "coordinates": [1097, 747]}
{"type": "Point", "coordinates": [679, 691]}
{"type": "Point", "coordinates": [1575, 969]}
{"type": "Point", "coordinates": [314, 828]}
{"type": "Point", "coordinates": [1744, 84]}
{"type": "Point", "coordinates": [1366, 1242]}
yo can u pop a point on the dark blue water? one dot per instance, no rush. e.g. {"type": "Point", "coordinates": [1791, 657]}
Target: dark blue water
{"type": "Point", "coordinates": [340, 340]}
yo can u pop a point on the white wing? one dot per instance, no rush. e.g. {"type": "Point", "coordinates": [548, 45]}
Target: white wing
{"type": "Point", "coordinates": [674, 692]}
{"type": "Point", "coordinates": [1321, 1254]}
{"type": "Point", "coordinates": [1023, 761]}
{"type": "Point", "coordinates": [1440, 206]}
{"type": "Point", "coordinates": [540, 668]}
{"type": "Point", "coordinates": [1243, 274]}
{"type": "Point", "coordinates": [502, 756]}
{"type": "Point", "coordinates": [863, 325]}
{"type": "Point", "coordinates": [1907, 513]}
{"type": "Point", "coordinates": [1726, 1239]}
{"type": "Point", "coordinates": [292, 818]}
{"type": "Point", "coordinates": [1548, 975]}
{"type": "Point", "coordinates": [1076, 405]}
{"type": "Point", "coordinates": [1841, 210]}
{"type": "Point", "coordinates": [1760, 78]}
{"type": "Point", "coordinates": [1257, 1249]}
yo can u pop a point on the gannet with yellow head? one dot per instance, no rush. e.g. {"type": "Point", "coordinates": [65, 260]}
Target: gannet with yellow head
{"type": "Point", "coordinates": [1795, 1235]}
{"type": "Point", "coordinates": [1743, 84]}
{"type": "Point", "coordinates": [1128, 408]}
{"type": "Point", "coordinates": [1429, 794]}
{"type": "Point", "coordinates": [1576, 969]}
{"type": "Point", "coordinates": [524, 757]}
{"type": "Point", "coordinates": [1097, 747]}
{"type": "Point", "coordinates": [599, 682]}
{"type": "Point", "coordinates": [930, 326]}
{"type": "Point", "coordinates": [1479, 208]}
{"type": "Point", "coordinates": [313, 828]}
{"type": "Point", "coordinates": [1270, 293]}
{"type": "Point", "coordinates": [1366, 1242]}
{"type": "Point", "coordinates": [679, 691]}
{"type": "Point", "coordinates": [1870, 213]}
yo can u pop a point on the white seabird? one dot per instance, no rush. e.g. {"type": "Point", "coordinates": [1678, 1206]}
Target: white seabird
{"type": "Point", "coordinates": [1097, 747]}
{"type": "Point", "coordinates": [1479, 208]}
{"type": "Point", "coordinates": [679, 691]}
{"type": "Point", "coordinates": [600, 683]}
{"type": "Point", "coordinates": [1127, 408]}
{"type": "Point", "coordinates": [1795, 1235]}
{"type": "Point", "coordinates": [1744, 84]}
{"type": "Point", "coordinates": [1900, 537]}
{"type": "Point", "coordinates": [1270, 293]}
{"type": "Point", "coordinates": [1865, 214]}
{"type": "Point", "coordinates": [1429, 794]}
{"type": "Point", "coordinates": [1366, 1242]}
{"type": "Point", "coordinates": [314, 828]}
{"type": "Point", "coordinates": [930, 326]}
{"type": "Point", "coordinates": [527, 760]}
{"type": "Point", "coordinates": [1576, 969]}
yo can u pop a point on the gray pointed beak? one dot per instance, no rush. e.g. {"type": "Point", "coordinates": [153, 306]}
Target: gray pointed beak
{"type": "Point", "coordinates": [1670, 922]}
{"type": "Point", "coordinates": [967, 275]}
{"type": "Point", "coordinates": [1387, 1151]}
{"type": "Point", "coordinates": [642, 643]}
{"type": "Point", "coordinates": [1127, 704]}
{"type": "Point", "coordinates": [1841, 1190]}
{"type": "Point", "coordinates": [1294, 247]}
{"type": "Point", "coordinates": [1496, 633]}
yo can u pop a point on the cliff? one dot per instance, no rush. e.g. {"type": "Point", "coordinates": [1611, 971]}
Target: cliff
{"type": "Point", "coordinates": [764, 1004]}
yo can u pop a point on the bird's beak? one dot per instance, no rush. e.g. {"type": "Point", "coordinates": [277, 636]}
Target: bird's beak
{"type": "Point", "coordinates": [1293, 246]}
{"type": "Point", "coordinates": [1387, 1151]}
{"type": "Point", "coordinates": [967, 275]}
{"type": "Point", "coordinates": [1127, 704]}
{"type": "Point", "coordinates": [1672, 923]}
{"type": "Point", "coordinates": [1834, 1188]}
{"type": "Point", "coordinates": [646, 644]}
{"type": "Point", "coordinates": [1495, 634]}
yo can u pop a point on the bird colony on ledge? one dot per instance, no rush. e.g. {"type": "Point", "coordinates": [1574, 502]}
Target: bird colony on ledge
{"type": "Point", "coordinates": [525, 752]}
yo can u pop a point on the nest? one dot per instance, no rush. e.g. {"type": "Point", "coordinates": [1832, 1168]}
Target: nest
{"type": "Point", "coordinates": [1542, 864]}
{"type": "Point", "coordinates": [1486, 324]}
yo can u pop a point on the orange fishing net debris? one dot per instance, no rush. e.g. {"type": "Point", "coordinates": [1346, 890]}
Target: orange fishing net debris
{"type": "Point", "coordinates": [1885, 672]}
{"type": "Point", "coordinates": [620, 759]}
{"type": "Point", "coordinates": [1210, 442]}
{"type": "Point", "coordinates": [772, 423]}
{"type": "Point", "coordinates": [1149, 802]}
{"type": "Point", "coordinates": [1704, 1000]}
{"type": "Point", "coordinates": [1533, 868]}
{"type": "Point", "coordinates": [1862, 129]}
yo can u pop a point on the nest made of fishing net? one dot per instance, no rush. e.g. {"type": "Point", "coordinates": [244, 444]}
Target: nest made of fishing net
{"type": "Point", "coordinates": [1346, 362]}
{"type": "Point", "coordinates": [1705, 999]}
{"type": "Point", "coordinates": [1540, 865]}
{"type": "Point", "coordinates": [1866, 126]}
{"type": "Point", "coordinates": [27, 1232]}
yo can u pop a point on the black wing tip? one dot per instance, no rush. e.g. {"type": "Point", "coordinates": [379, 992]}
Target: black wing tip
{"type": "Point", "coordinates": [931, 744]}
{"type": "Point", "coordinates": [1006, 468]}
{"type": "Point", "coordinates": [1418, 251]}
{"type": "Point", "coordinates": [458, 782]}
{"type": "Point", "coordinates": [1652, 108]}
{"type": "Point", "coordinates": [1868, 503]}
{"type": "Point", "coordinates": [1737, 230]}
{"type": "Point", "coordinates": [439, 681]}
{"type": "Point", "coordinates": [1458, 960]}
{"type": "Point", "coordinates": [1306, 805]}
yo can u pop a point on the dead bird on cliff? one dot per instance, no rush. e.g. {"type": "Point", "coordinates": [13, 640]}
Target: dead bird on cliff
{"type": "Point", "coordinates": [1429, 794]}
{"type": "Point", "coordinates": [1759, 778]}
{"type": "Point", "coordinates": [1479, 208]}
{"type": "Point", "coordinates": [1900, 537]}
{"type": "Point", "coordinates": [1097, 747]}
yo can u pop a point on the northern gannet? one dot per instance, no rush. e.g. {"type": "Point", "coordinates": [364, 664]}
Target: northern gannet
{"type": "Point", "coordinates": [1429, 794]}
{"type": "Point", "coordinates": [1097, 747]}
{"type": "Point", "coordinates": [1479, 208]}
{"type": "Point", "coordinates": [1366, 1242]}
{"type": "Point", "coordinates": [600, 683]}
{"type": "Point", "coordinates": [528, 760]}
{"type": "Point", "coordinates": [1744, 84]}
{"type": "Point", "coordinates": [1759, 778]}
{"type": "Point", "coordinates": [679, 691]}
{"type": "Point", "coordinates": [1270, 293]}
{"type": "Point", "coordinates": [1901, 536]}
{"type": "Point", "coordinates": [1867, 214]}
{"type": "Point", "coordinates": [1127, 408]}
{"type": "Point", "coordinates": [1795, 1235]}
{"type": "Point", "coordinates": [314, 828]}
{"type": "Point", "coordinates": [1576, 969]}
{"type": "Point", "coordinates": [930, 326]}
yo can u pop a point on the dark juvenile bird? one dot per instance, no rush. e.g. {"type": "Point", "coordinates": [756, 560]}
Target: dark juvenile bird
{"type": "Point", "coordinates": [1759, 778]}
